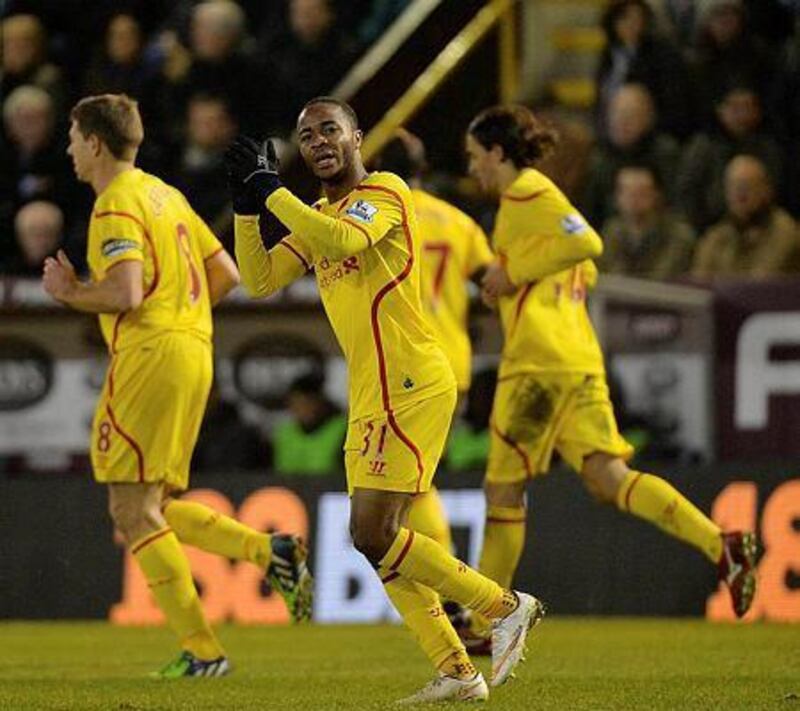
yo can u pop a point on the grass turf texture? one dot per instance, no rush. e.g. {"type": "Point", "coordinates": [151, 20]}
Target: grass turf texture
{"type": "Point", "coordinates": [573, 663]}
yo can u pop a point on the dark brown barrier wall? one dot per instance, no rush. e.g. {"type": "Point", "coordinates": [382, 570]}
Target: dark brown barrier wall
{"type": "Point", "coordinates": [58, 558]}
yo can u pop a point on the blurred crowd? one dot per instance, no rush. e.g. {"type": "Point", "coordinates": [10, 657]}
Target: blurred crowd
{"type": "Point", "coordinates": [695, 148]}
{"type": "Point", "coordinates": [201, 71]}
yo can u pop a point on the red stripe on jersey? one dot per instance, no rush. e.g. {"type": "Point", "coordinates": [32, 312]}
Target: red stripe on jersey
{"type": "Point", "coordinates": [511, 443]}
{"type": "Point", "coordinates": [390, 577]}
{"type": "Point", "coordinates": [524, 198]}
{"type": "Point", "coordinates": [376, 329]}
{"type": "Point", "coordinates": [115, 333]}
{"type": "Point", "coordinates": [150, 539]}
{"type": "Point", "coordinates": [295, 253]}
{"type": "Point", "coordinates": [520, 303]}
{"type": "Point", "coordinates": [360, 229]}
{"type": "Point", "coordinates": [156, 272]}
{"type": "Point", "coordinates": [130, 440]}
{"type": "Point", "coordinates": [403, 552]}
{"type": "Point", "coordinates": [214, 254]}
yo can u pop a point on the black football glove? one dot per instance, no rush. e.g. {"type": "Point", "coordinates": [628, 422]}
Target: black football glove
{"type": "Point", "coordinates": [252, 174]}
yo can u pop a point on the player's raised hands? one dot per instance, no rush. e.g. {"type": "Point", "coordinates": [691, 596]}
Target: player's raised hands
{"type": "Point", "coordinates": [252, 173]}
{"type": "Point", "coordinates": [59, 278]}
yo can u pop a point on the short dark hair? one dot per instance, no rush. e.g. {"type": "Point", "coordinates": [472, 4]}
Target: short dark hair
{"type": "Point", "coordinates": [525, 139]}
{"type": "Point", "coordinates": [114, 119]}
{"type": "Point", "coordinates": [343, 105]}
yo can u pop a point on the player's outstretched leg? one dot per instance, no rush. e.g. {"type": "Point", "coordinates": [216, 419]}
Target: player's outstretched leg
{"type": "Point", "coordinates": [457, 679]}
{"type": "Point", "coordinates": [284, 558]}
{"type": "Point", "coordinates": [422, 560]}
{"type": "Point", "coordinates": [655, 500]}
{"type": "Point", "coordinates": [135, 509]}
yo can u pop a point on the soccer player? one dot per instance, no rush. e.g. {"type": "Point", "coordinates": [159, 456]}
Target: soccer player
{"type": "Point", "coordinates": [454, 250]}
{"type": "Point", "coordinates": [362, 241]}
{"type": "Point", "coordinates": [156, 271]}
{"type": "Point", "coordinates": [552, 393]}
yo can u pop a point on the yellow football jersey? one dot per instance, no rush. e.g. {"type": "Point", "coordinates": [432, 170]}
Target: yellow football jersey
{"type": "Point", "coordinates": [453, 248]}
{"type": "Point", "coordinates": [140, 217]}
{"type": "Point", "coordinates": [365, 253]}
{"type": "Point", "coordinates": [545, 323]}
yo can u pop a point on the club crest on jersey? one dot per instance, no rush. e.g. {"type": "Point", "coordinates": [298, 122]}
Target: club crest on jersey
{"type": "Point", "coordinates": [574, 224]}
{"type": "Point", "coordinates": [115, 247]}
{"type": "Point", "coordinates": [362, 211]}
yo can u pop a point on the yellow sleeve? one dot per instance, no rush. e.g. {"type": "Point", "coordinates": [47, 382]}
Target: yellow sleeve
{"type": "Point", "coordinates": [265, 272]}
{"type": "Point", "coordinates": [118, 236]}
{"type": "Point", "coordinates": [560, 239]}
{"type": "Point", "coordinates": [209, 244]}
{"type": "Point", "coordinates": [480, 253]}
{"type": "Point", "coordinates": [361, 225]}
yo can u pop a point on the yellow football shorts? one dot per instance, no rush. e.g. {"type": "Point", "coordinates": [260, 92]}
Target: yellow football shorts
{"type": "Point", "coordinates": [149, 413]}
{"type": "Point", "coordinates": [535, 414]}
{"type": "Point", "coordinates": [400, 451]}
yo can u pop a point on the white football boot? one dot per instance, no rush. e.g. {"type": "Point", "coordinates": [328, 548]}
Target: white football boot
{"type": "Point", "coordinates": [448, 688]}
{"type": "Point", "coordinates": [508, 636]}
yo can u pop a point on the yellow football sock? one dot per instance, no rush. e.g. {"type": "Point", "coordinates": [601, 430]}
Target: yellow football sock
{"type": "Point", "coordinates": [203, 527]}
{"type": "Point", "coordinates": [166, 568]}
{"type": "Point", "coordinates": [503, 541]}
{"type": "Point", "coordinates": [653, 499]}
{"type": "Point", "coordinates": [427, 517]}
{"type": "Point", "coordinates": [422, 612]}
{"type": "Point", "coordinates": [424, 561]}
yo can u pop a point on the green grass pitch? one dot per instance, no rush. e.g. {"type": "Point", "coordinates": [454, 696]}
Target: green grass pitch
{"type": "Point", "coordinates": [573, 663]}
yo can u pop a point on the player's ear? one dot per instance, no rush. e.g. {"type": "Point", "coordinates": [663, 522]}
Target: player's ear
{"type": "Point", "coordinates": [358, 134]}
{"type": "Point", "coordinates": [95, 144]}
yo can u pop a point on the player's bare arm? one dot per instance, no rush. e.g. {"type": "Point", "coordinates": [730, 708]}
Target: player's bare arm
{"type": "Point", "coordinates": [120, 290]}
{"type": "Point", "coordinates": [221, 274]}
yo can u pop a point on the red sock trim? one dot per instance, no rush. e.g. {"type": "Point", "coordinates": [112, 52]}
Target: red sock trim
{"type": "Point", "coordinates": [403, 552]}
{"type": "Point", "coordinates": [150, 539]}
{"type": "Point", "coordinates": [493, 519]}
{"type": "Point", "coordinates": [630, 489]}
{"type": "Point", "coordinates": [390, 577]}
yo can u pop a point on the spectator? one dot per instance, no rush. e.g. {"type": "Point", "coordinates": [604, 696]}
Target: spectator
{"type": "Point", "coordinates": [39, 231]}
{"type": "Point", "coordinates": [311, 441]}
{"type": "Point", "coordinates": [25, 60]}
{"type": "Point", "coordinates": [634, 53]}
{"type": "Point", "coordinates": [645, 239]}
{"type": "Point", "coordinates": [785, 109]}
{"type": "Point", "coordinates": [201, 172]}
{"type": "Point", "coordinates": [632, 138]}
{"type": "Point", "coordinates": [37, 159]}
{"type": "Point", "coordinates": [219, 65]}
{"type": "Point", "coordinates": [311, 58]}
{"type": "Point", "coordinates": [726, 50]}
{"type": "Point", "coordinates": [226, 442]}
{"type": "Point", "coordinates": [121, 68]}
{"type": "Point", "coordinates": [756, 238]}
{"type": "Point", "coordinates": [700, 176]}
{"type": "Point", "coordinates": [468, 446]}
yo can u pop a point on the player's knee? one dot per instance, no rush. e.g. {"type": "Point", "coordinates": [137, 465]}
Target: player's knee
{"type": "Point", "coordinates": [132, 519]}
{"type": "Point", "coordinates": [373, 540]}
{"type": "Point", "coordinates": [126, 515]}
{"type": "Point", "coordinates": [602, 476]}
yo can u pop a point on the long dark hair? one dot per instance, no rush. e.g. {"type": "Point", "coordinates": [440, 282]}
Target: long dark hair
{"type": "Point", "coordinates": [525, 139]}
